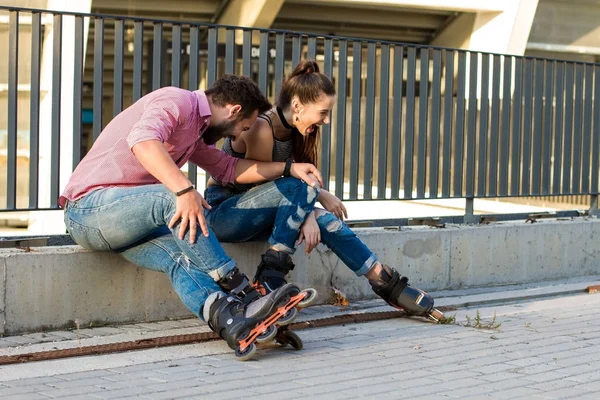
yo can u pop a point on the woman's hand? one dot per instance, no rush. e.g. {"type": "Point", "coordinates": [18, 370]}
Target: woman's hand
{"type": "Point", "coordinates": [310, 232]}
{"type": "Point", "coordinates": [332, 204]}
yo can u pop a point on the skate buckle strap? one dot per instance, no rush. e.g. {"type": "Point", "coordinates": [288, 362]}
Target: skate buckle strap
{"type": "Point", "coordinates": [399, 283]}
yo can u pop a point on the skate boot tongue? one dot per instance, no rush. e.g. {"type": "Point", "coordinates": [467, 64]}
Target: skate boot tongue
{"type": "Point", "coordinates": [272, 271]}
{"type": "Point", "coordinates": [237, 283]}
{"type": "Point", "coordinates": [385, 276]}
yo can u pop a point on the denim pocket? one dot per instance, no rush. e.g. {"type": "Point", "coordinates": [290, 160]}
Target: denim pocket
{"type": "Point", "coordinates": [87, 237]}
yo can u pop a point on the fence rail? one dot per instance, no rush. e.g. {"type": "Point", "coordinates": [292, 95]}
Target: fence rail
{"type": "Point", "coordinates": [410, 122]}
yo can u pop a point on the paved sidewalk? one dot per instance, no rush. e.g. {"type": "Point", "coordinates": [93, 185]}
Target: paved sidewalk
{"type": "Point", "coordinates": [545, 348]}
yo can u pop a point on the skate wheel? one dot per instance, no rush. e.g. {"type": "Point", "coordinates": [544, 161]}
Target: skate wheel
{"type": "Point", "coordinates": [246, 354]}
{"type": "Point", "coordinates": [309, 299]}
{"type": "Point", "coordinates": [288, 317]}
{"type": "Point", "coordinates": [436, 315]}
{"type": "Point", "coordinates": [267, 335]}
{"type": "Point", "coordinates": [293, 340]}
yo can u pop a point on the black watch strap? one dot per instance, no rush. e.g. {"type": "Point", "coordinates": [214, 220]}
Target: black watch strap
{"type": "Point", "coordinates": [184, 191]}
{"type": "Point", "coordinates": [288, 167]}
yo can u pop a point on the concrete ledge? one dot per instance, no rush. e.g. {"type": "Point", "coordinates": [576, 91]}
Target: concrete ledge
{"type": "Point", "coordinates": [52, 287]}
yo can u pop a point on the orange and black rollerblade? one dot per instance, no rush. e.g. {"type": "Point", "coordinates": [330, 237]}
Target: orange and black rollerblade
{"type": "Point", "coordinates": [395, 290]}
{"type": "Point", "coordinates": [243, 325]}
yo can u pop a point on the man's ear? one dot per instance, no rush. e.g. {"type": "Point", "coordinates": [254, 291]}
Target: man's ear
{"type": "Point", "coordinates": [234, 111]}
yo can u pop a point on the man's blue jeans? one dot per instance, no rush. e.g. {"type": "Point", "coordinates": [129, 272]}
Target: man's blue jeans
{"type": "Point", "coordinates": [272, 209]}
{"type": "Point", "coordinates": [133, 222]}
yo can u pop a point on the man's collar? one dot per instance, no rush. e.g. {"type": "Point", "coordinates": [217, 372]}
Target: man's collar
{"type": "Point", "coordinates": [203, 107]}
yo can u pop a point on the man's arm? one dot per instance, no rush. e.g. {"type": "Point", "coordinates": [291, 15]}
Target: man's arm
{"type": "Point", "coordinates": [189, 208]}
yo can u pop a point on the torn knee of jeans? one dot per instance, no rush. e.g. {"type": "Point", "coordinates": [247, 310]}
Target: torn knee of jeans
{"type": "Point", "coordinates": [184, 261]}
{"type": "Point", "coordinates": [328, 220]}
{"type": "Point", "coordinates": [334, 225]}
{"type": "Point", "coordinates": [294, 223]}
{"type": "Point", "coordinates": [301, 213]}
{"type": "Point", "coordinates": [311, 193]}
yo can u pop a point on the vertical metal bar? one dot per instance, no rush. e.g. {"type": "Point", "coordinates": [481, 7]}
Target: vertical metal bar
{"type": "Point", "coordinates": [568, 132]}
{"type": "Point", "coordinates": [577, 117]}
{"type": "Point", "coordinates": [312, 48]}
{"type": "Point", "coordinates": [423, 116]}
{"type": "Point", "coordinates": [296, 50]}
{"type": "Point", "coordinates": [263, 62]}
{"type": "Point", "coordinates": [138, 59]}
{"type": "Point", "coordinates": [397, 120]}
{"type": "Point", "coordinates": [13, 86]}
{"type": "Point", "coordinates": [495, 128]}
{"type": "Point", "coordinates": [482, 161]}
{"type": "Point", "coordinates": [176, 56]}
{"type": "Point", "coordinates": [193, 84]}
{"type": "Point", "coordinates": [326, 133]}
{"type": "Point", "coordinates": [340, 128]}
{"type": "Point", "coordinates": [247, 53]}
{"type": "Point", "coordinates": [212, 56]}
{"type": "Point", "coordinates": [411, 71]}
{"type": "Point", "coordinates": [537, 128]}
{"type": "Point", "coordinates": [596, 134]}
{"type": "Point", "coordinates": [457, 171]}
{"type": "Point", "coordinates": [230, 51]}
{"type": "Point", "coordinates": [194, 64]}
{"type": "Point", "coordinates": [369, 121]}
{"type": "Point", "coordinates": [505, 132]}
{"type": "Point", "coordinates": [98, 74]}
{"type": "Point", "coordinates": [279, 62]}
{"type": "Point", "coordinates": [384, 97]}
{"type": "Point", "coordinates": [559, 76]}
{"type": "Point", "coordinates": [157, 51]}
{"type": "Point", "coordinates": [527, 124]}
{"type": "Point", "coordinates": [448, 114]}
{"type": "Point", "coordinates": [515, 140]}
{"type": "Point", "coordinates": [536, 150]}
{"type": "Point", "coordinates": [471, 124]}
{"type": "Point", "coordinates": [55, 130]}
{"type": "Point", "coordinates": [434, 153]}
{"type": "Point", "coordinates": [547, 134]}
{"type": "Point", "coordinates": [118, 67]}
{"type": "Point", "coordinates": [355, 117]}
{"type": "Point", "coordinates": [587, 129]}
{"type": "Point", "coordinates": [77, 89]}
{"type": "Point", "coordinates": [34, 130]}
{"type": "Point", "coordinates": [593, 210]}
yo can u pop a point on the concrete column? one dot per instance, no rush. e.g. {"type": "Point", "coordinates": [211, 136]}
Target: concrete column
{"type": "Point", "coordinates": [251, 13]}
{"type": "Point", "coordinates": [51, 222]}
{"type": "Point", "coordinates": [503, 32]}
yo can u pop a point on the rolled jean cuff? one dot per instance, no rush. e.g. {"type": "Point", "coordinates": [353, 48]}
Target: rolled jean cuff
{"type": "Point", "coordinates": [367, 265]}
{"type": "Point", "coordinates": [281, 247]}
{"type": "Point", "coordinates": [221, 272]}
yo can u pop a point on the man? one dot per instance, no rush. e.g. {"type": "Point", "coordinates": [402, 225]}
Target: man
{"type": "Point", "coordinates": [129, 195]}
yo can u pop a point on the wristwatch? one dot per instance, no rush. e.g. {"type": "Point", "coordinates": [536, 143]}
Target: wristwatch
{"type": "Point", "coordinates": [288, 167]}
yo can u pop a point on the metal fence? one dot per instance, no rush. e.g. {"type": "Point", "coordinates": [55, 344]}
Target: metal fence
{"type": "Point", "coordinates": [410, 122]}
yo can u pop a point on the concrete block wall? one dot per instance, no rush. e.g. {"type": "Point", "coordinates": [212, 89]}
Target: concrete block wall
{"type": "Point", "coordinates": [51, 287]}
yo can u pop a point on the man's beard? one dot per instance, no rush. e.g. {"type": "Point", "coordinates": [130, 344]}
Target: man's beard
{"type": "Point", "coordinates": [216, 132]}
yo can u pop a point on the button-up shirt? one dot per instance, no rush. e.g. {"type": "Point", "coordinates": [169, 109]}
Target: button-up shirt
{"type": "Point", "coordinates": [176, 117]}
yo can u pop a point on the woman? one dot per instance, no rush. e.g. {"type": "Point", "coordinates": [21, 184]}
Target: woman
{"type": "Point", "coordinates": [239, 213]}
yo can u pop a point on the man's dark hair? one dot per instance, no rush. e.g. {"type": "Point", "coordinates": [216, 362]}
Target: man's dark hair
{"type": "Point", "coordinates": [232, 89]}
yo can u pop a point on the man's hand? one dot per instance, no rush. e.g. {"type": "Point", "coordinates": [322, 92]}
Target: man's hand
{"type": "Point", "coordinates": [302, 171]}
{"type": "Point", "coordinates": [190, 210]}
{"type": "Point", "coordinates": [311, 232]}
{"type": "Point", "coordinates": [333, 204]}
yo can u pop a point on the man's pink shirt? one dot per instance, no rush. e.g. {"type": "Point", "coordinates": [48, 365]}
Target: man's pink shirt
{"type": "Point", "coordinates": [176, 117]}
